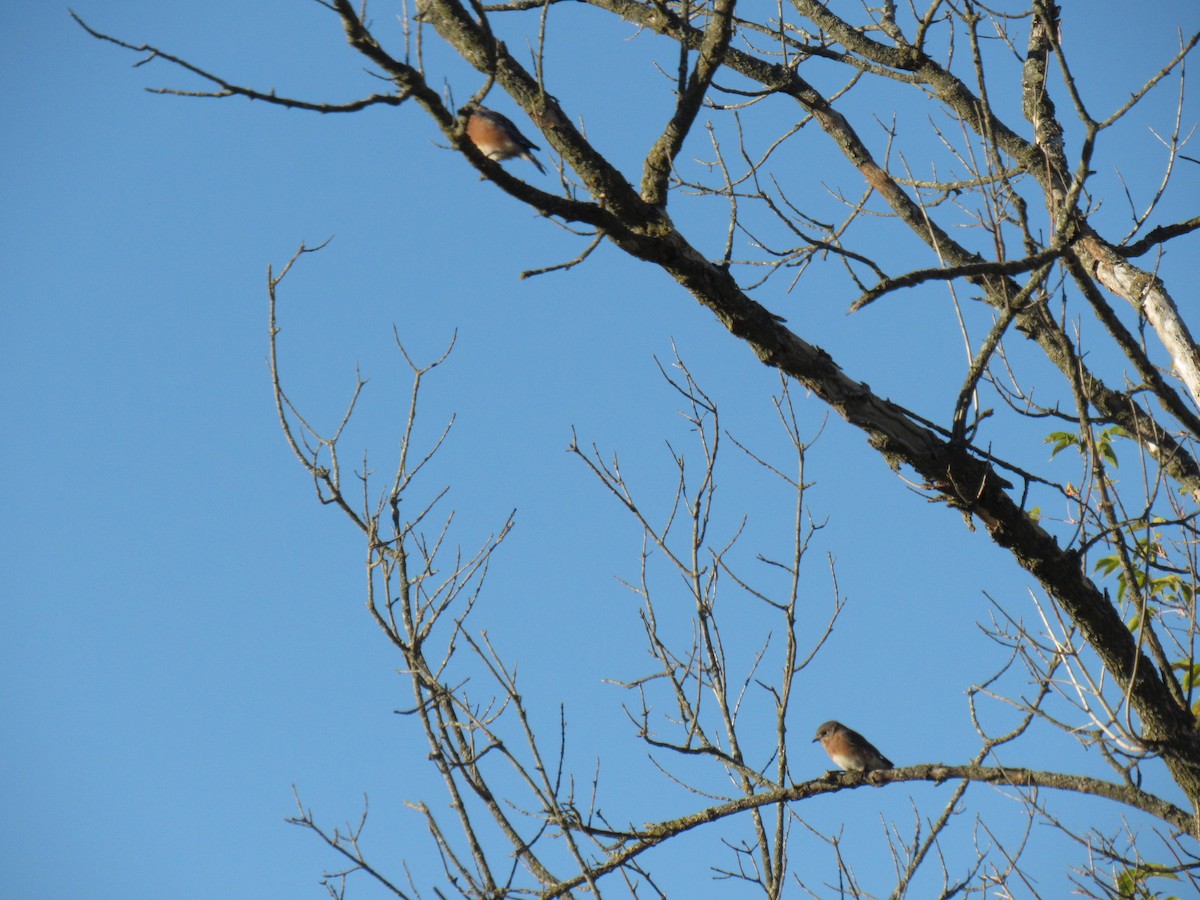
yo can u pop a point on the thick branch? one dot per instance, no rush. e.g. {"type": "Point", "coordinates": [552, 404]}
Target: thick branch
{"type": "Point", "coordinates": [708, 61]}
{"type": "Point", "coordinates": [1115, 406]}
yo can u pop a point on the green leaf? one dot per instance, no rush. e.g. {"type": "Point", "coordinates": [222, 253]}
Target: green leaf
{"type": "Point", "coordinates": [1131, 883]}
{"type": "Point", "coordinates": [1061, 440]}
{"type": "Point", "coordinates": [1191, 673]}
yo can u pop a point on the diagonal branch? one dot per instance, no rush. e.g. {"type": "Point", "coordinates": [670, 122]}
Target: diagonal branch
{"type": "Point", "coordinates": [712, 54]}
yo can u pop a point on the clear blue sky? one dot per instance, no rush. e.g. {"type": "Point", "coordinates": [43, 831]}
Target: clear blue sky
{"type": "Point", "coordinates": [184, 631]}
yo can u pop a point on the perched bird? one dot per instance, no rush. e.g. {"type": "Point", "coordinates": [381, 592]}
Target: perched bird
{"type": "Point", "coordinates": [498, 138]}
{"type": "Point", "coordinates": [849, 749]}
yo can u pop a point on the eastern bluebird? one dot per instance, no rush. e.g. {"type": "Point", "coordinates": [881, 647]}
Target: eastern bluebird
{"type": "Point", "coordinates": [849, 749]}
{"type": "Point", "coordinates": [498, 138]}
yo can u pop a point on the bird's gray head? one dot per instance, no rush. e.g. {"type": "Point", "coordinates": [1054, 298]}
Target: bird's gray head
{"type": "Point", "coordinates": [828, 729]}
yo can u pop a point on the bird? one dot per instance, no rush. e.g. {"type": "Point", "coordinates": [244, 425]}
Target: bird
{"type": "Point", "coordinates": [849, 749]}
{"type": "Point", "coordinates": [498, 138]}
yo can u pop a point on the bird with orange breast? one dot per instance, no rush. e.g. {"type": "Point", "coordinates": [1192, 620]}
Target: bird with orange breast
{"type": "Point", "coordinates": [849, 749]}
{"type": "Point", "coordinates": [498, 138]}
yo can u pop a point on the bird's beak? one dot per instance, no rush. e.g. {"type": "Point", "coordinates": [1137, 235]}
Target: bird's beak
{"type": "Point", "coordinates": [814, 740]}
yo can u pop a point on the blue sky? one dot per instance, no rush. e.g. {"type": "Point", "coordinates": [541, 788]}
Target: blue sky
{"type": "Point", "coordinates": [185, 637]}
